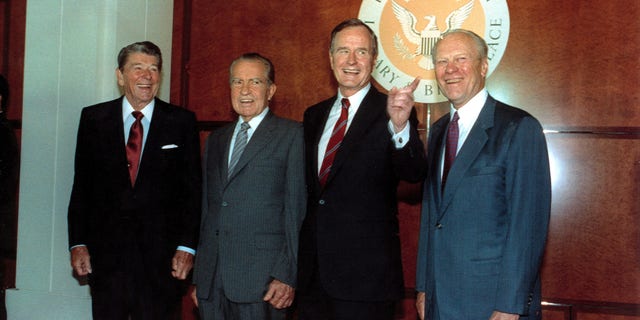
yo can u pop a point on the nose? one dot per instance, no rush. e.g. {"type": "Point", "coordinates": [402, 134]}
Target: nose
{"type": "Point", "coordinates": [146, 73]}
{"type": "Point", "coordinates": [351, 58]}
{"type": "Point", "coordinates": [244, 88]}
{"type": "Point", "coordinates": [451, 67]}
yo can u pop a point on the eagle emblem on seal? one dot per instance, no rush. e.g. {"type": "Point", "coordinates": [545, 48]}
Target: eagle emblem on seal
{"type": "Point", "coordinates": [424, 40]}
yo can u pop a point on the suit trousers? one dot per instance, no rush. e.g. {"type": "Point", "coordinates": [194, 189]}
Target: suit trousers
{"type": "Point", "coordinates": [127, 293]}
{"type": "Point", "coordinates": [219, 307]}
{"type": "Point", "coordinates": [316, 304]}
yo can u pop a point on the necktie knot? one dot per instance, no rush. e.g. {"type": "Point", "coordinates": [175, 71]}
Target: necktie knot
{"type": "Point", "coordinates": [455, 117]}
{"type": "Point", "coordinates": [245, 126]}
{"type": "Point", "coordinates": [138, 115]}
{"type": "Point", "coordinates": [345, 103]}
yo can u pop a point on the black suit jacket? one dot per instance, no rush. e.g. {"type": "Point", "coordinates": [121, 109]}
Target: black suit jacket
{"type": "Point", "coordinates": [160, 213]}
{"type": "Point", "coordinates": [350, 233]}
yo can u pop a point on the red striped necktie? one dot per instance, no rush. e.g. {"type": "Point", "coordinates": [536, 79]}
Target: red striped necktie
{"type": "Point", "coordinates": [334, 142]}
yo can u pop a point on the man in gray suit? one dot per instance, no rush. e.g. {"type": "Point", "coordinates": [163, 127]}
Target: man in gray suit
{"type": "Point", "coordinates": [254, 201]}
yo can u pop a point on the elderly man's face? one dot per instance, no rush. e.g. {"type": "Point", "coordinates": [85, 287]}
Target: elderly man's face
{"type": "Point", "coordinates": [460, 72]}
{"type": "Point", "coordinates": [140, 79]}
{"type": "Point", "coordinates": [250, 88]}
{"type": "Point", "coordinates": [352, 59]}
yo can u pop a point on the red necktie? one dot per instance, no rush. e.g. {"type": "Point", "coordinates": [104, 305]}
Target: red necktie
{"type": "Point", "coordinates": [334, 142]}
{"type": "Point", "coordinates": [134, 146]}
{"type": "Point", "coordinates": [451, 147]}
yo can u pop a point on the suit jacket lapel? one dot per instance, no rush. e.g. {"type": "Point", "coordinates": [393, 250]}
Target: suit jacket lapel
{"type": "Point", "coordinates": [434, 154]}
{"type": "Point", "coordinates": [223, 150]}
{"type": "Point", "coordinates": [260, 138]}
{"type": "Point", "coordinates": [114, 131]}
{"type": "Point", "coordinates": [367, 114]}
{"type": "Point", "coordinates": [322, 122]}
{"type": "Point", "coordinates": [472, 146]}
{"type": "Point", "coordinates": [159, 121]}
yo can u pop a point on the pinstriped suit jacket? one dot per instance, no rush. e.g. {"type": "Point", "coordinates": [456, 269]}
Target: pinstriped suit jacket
{"type": "Point", "coordinates": [251, 220]}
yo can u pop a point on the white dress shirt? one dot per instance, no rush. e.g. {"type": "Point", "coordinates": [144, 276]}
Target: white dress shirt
{"type": "Point", "coordinates": [400, 139]}
{"type": "Point", "coordinates": [467, 114]}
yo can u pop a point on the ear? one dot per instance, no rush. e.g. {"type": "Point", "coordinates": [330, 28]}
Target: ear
{"type": "Point", "coordinates": [331, 59]}
{"type": "Point", "coordinates": [120, 77]}
{"type": "Point", "coordinates": [272, 91]}
{"type": "Point", "coordinates": [485, 67]}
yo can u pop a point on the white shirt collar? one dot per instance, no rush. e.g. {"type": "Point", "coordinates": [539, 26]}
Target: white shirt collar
{"type": "Point", "coordinates": [253, 123]}
{"type": "Point", "coordinates": [147, 110]}
{"type": "Point", "coordinates": [471, 110]}
{"type": "Point", "coordinates": [354, 100]}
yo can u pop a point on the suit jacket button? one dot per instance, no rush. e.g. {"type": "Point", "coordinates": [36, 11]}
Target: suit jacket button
{"type": "Point", "coordinates": [439, 226]}
{"type": "Point", "coordinates": [217, 232]}
{"type": "Point", "coordinates": [225, 204]}
{"type": "Point", "coordinates": [321, 202]}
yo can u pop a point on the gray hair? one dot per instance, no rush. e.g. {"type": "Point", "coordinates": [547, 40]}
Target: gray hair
{"type": "Point", "coordinates": [354, 23]}
{"type": "Point", "coordinates": [479, 43]}
{"type": "Point", "coordinates": [253, 56]}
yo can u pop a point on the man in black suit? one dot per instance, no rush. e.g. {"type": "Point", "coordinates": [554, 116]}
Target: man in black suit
{"type": "Point", "coordinates": [349, 260]}
{"type": "Point", "coordinates": [133, 232]}
{"type": "Point", "coordinates": [254, 203]}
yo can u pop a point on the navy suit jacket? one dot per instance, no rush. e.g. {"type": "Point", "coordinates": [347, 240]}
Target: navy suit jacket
{"type": "Point", "coordinates": [482, 238]}
{"type": "Point", "coordinates": [251, 220]}
{"type": "Point", "coordinates": [350, 234]}
{"type": "Point", "coordinates": [159, 214]}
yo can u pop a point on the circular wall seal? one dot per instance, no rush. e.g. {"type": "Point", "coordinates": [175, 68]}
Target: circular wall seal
{"type": "Point", "coordinates": [408, 29]}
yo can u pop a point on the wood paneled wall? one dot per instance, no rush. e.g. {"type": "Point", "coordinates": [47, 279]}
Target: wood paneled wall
{"type": "Point", "coordinates": [573, 65]}
{"type": "Point", "coordinates": [12, 27]}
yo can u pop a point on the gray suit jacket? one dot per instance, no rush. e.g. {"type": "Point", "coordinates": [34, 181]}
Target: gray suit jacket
{"type": "Point", "coordinates": [482, 238]}
{"type": "Point", "coordinates": [251, 221]}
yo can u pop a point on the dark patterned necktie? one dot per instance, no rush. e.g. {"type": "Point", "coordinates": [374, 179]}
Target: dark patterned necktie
{"type": "Point", "coordinates": [453, 134]}
{"type": "Point", "coordinates": [334, 142]}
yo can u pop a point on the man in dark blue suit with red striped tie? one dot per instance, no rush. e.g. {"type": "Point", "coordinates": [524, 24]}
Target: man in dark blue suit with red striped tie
{"type": "Point", "coordinates": [356, 153]}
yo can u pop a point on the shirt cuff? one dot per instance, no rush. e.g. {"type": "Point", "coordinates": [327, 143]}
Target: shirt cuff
{"type": "Point", "coordinates": [77, 245]}
{"type": "Point", "coordinates": [187, 250]}
{"type": "Point", "coordinates": [401, 138]}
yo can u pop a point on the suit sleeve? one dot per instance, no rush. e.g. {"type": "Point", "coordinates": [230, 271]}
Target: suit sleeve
{"type": "Point", "coordinates": [409, 162]}
{"type": "Point", "coordinates": [528, 188]}
{"type": "Point", "coordinates": [295, 201]}
{"type": "Point", "coordinates": [78, 205]}
{"type": "Point", "coordinates": [192, 186]}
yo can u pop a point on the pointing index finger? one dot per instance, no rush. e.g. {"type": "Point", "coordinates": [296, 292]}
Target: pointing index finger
{"type": "Point", "coordinates": [414, 84]}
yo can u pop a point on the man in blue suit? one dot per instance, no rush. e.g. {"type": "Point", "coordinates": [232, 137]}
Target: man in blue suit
{"type": "Point", "coordinates": [484, 224]}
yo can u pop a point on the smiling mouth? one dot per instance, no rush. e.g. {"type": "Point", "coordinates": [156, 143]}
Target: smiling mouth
{"type": "Point", "coordinates": [452, 81]}
{"type": "Point", "coordinates": [350, 71]}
